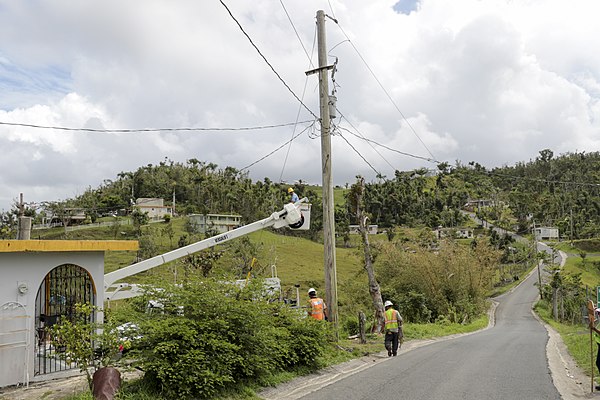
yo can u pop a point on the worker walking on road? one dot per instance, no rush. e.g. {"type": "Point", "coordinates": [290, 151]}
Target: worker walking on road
{"type": "Point", "coordinates": [294, 197]}
{"type": "Point", "coordinates": [316, 306]}
{"type": "Point", "coordinates": [393, 329]}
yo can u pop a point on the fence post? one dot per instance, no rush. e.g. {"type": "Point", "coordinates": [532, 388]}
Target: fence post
{"type": "Point", "coordinates": [361, 327]}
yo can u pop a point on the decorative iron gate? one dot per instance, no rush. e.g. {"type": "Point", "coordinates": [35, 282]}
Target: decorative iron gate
{"type": "Point", "coordinates": [63, 288]}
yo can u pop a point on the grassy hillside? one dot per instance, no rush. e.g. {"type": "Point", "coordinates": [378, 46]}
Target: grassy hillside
{"type": "Point", "coordinates": [588, 266]}
{"type": "Point", "coordinates": [296, 260]}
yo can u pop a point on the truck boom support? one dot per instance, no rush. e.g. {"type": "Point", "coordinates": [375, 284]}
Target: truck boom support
{"type": "Point", "coordinates": [290, 215]}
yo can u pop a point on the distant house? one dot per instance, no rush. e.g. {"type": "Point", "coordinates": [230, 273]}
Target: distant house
{"type": "Point", "coordinates": [154, 207]}
{"type": "Point", "coordinates": [71, 216]}
{"type": "Point", "coordinates": [371, 229]}
{"type": "Point", "coordinates": [218, 222]}
{"type": "Point", "coordinates": [545, 233]}
{"type": "Point", "coordinates": [458, 233]}
{"type": "Point", "coordinates": [474, 205]}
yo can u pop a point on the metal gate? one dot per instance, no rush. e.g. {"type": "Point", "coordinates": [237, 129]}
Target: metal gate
{"type": "Point", "coordinates": [14, 344]}
{"type": "Point", "coordinates": [63, 288]}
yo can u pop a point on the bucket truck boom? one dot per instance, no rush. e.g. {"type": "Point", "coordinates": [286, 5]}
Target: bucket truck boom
{"type": "Point", "coordinates": [290, 216]}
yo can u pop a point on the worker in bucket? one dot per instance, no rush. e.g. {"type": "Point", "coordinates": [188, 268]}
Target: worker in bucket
{"type": "Point", "coordinates": [316, 306]}
{"type": "Point", "coordinates": [294, 197]}
{"type": "Point", "coordinates": [393, 329]}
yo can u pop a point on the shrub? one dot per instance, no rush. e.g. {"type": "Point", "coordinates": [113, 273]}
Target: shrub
{"type": "Point", "coordinates": [222, 335]}
{"type": "Point", "coordinates": [84, 342]}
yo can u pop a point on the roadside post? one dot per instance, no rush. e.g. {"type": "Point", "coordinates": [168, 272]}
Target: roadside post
{"type": "Point", "coordinates": [591, 309]}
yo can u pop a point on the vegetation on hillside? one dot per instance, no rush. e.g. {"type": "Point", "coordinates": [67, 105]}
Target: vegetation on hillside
{"type": "Point", "coordinates": [433, 278]}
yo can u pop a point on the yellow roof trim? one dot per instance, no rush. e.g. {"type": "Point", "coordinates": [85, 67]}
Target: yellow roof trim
{"type": "Point", "coordinates": [16, 246]}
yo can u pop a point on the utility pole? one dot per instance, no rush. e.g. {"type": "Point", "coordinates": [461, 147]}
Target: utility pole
{"type": "Point", "coordinates": [328, 208]}
{"type": "Point", "coordinates": [173, 208]}
{"type": "Point", "coordinates": [24, 227]}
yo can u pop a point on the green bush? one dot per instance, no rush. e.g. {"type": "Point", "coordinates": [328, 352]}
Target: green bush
{"type": "Point", "coordinates": [211, 335]}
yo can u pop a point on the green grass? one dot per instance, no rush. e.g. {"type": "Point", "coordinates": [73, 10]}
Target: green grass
{"type": "Point", "coordinates": [428, 331]}
{"type": "Point", "coordinates": [575, 337]}
{"type": "Point", "coordinates": [338, 196]}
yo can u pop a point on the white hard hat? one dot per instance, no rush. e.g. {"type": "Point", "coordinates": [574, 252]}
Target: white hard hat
{"type": "Point", "coordinates": [311, 290]}
{"type": "Point", "coordinates": [388, 303]}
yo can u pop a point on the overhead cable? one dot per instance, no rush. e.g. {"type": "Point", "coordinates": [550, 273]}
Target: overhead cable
{"type": "Point", "coordinates": [377, 173]}
{"type": "Point", "coordinates": [342, 116]}
{"type": "Point", "coordinates": [299, 106]}
{"type": "Point", "coordinates": [277, 149]}
{"type": "Point", "coordinates": [297, 35]}
{"type": "Point", "coordinates": [267, 61]}
{"type": "Point", "coordinates": [541, 180]}
{"type": "Point", "coordinates": [383, 88]}
{"type": "Point", "coordinates": [63, 128]}
{"type": "Point", "coordinates": [432, 160]}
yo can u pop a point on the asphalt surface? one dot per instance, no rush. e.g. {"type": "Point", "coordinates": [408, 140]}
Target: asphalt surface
{"type": "Point", "coordinates": [512, 359]}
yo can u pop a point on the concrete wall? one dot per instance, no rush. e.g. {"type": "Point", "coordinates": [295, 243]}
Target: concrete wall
{"type": "Point", "coordinates": [22, 274]}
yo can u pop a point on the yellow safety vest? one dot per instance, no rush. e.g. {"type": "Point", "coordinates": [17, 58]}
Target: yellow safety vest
{"type": "Point", "coordinates": [391, 319]}
{"type": "Point", "coordinates": [316, 305]}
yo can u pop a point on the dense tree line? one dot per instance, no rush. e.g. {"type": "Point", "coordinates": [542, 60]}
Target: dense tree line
{"type": "Point", "coordinates": [562, 191]}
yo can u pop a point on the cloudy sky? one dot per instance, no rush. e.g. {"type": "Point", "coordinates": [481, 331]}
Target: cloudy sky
{"type": "Point", "coordinates": [492, 81]}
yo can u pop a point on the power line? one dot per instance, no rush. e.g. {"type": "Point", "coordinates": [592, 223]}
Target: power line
{"type": "Point", "coordinates": [267, 61]}
{"type": "Point", "coordinates": [382, 87]}
{"type": "Point", "coordinates": [299, 106]}
{"type": "Point", "coordinates": [377, 173]}
{"type": "Point", "coordinates": [297, 35]}
{"type": "Point", "coordinates": [391, 149]}
{"type": "Point", "coordinates": [63, 128]}
{"type": "Point", "coordinates": [277, 149]}
{"type": "Point", "coordinates": [491, 173]}
{"type": "Point", "coordinates": [369, 143]}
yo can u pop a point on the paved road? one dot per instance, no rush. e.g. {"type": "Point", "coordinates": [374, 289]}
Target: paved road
{"type": "Point", "coordinates": [507, 361]}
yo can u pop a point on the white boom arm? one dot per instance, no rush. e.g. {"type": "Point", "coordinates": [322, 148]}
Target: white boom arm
{"type": "Point", "coordinates": [289, 216]}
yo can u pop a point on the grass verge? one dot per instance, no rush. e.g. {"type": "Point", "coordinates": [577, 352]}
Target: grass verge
{"type": "Point", "coordinates": [575, 337]}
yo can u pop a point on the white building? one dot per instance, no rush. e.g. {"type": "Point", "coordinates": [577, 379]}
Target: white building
{"type": "Point", "coordinates": [545, 233]}
{"type": "Point", "coordinates": [458, 233]}
{"type": "Point", "coordinates": [42, 280]}
{"type": "Point", "coordinates": [371, 229]}
{"type": "Point", "coordinates": [221, 223]}
{"type": "Point", "coordinates": [154, 207]}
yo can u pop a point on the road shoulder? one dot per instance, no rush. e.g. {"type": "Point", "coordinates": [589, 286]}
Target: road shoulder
{"type": "Point", "coordinates": [570, 380]}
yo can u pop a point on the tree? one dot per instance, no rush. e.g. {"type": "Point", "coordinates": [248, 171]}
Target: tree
{"type": "Point", "coordinates": [203, 261]}
{"type": "Point", "coordinates": [7, 225]}
{"type": "Point", "coordinates": [139, 219]}
{"type": "Point", "coordinates": [88, 344]}
{"type": "Point", "coordinates": [355, 197]}
{"type": "Point", "coordinates": [169, 231]}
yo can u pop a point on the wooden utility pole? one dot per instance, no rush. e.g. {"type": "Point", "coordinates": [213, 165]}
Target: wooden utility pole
{"type": "Point", "coordinates": [328, 208]}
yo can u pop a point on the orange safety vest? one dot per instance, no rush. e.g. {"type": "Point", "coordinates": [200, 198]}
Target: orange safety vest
{"type": "Point", "coordinates": [317, 308]}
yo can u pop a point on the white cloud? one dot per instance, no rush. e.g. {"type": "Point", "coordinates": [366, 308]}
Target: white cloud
{"type": "Point", "coordinates": [488, 81]}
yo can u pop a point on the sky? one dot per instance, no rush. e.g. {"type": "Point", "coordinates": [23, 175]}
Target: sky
{"type": "Point", "coordinates": [417, 82]}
